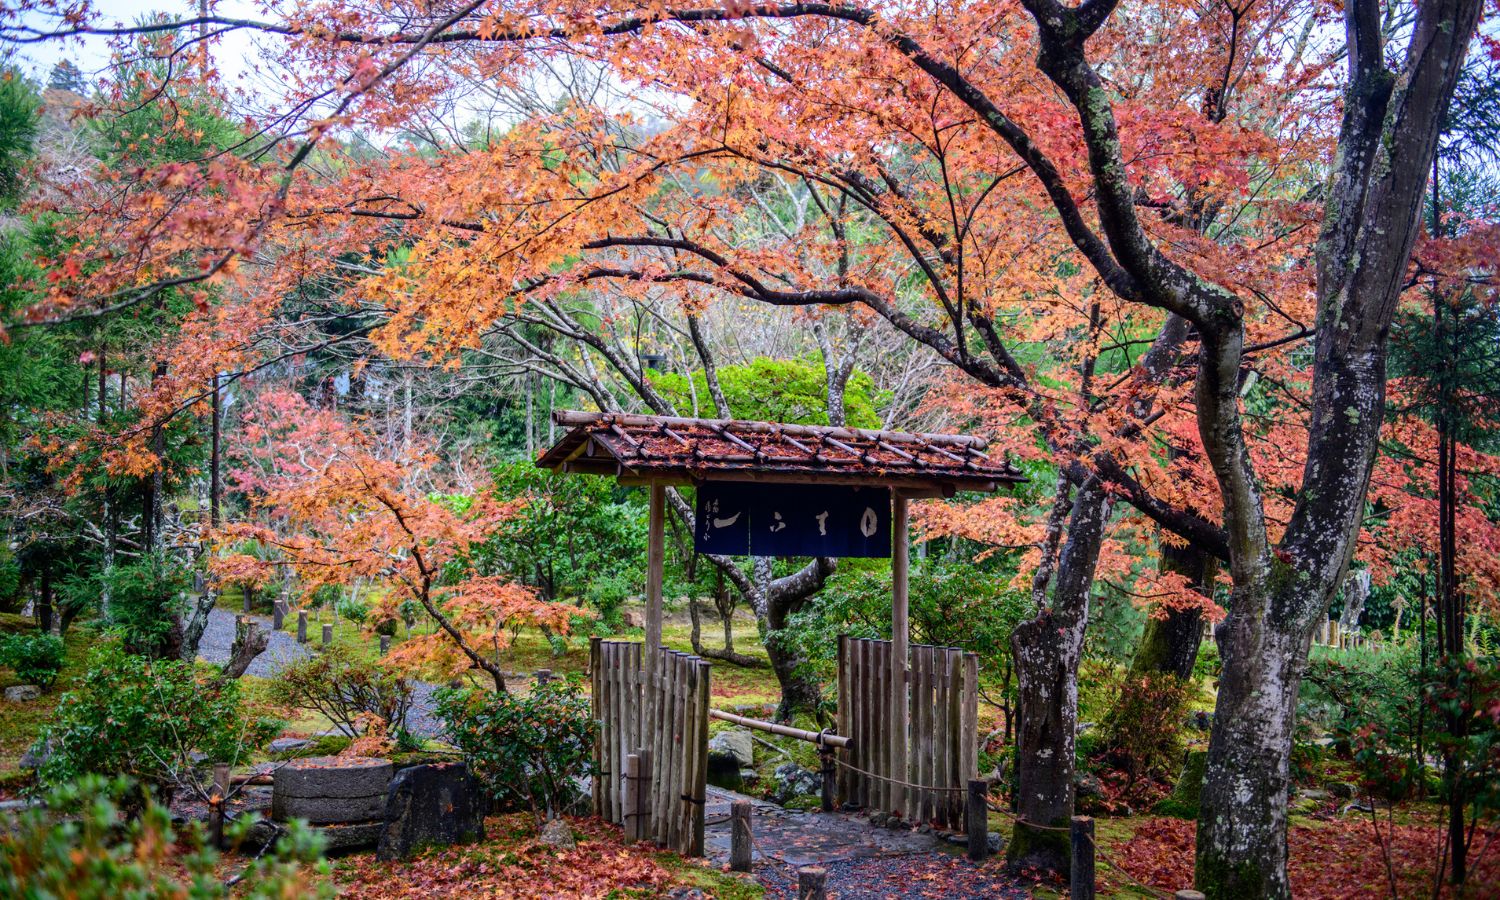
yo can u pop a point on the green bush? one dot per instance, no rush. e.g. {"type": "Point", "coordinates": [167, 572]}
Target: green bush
{"type": "Point", "coordinates": [351, 609]}
{"type": "Point", "coordinates": [145, 601]}
{"type": "Point", "coordinates": [526, 749]}
{"type": "Point", "coordinates": [81, 845]}
{"type": "Point", "coordinates": [143, 719]}
{"type": "Point", "coordinates": [344, 688]}
{"type": "Point", "coordinates": [35, 658]}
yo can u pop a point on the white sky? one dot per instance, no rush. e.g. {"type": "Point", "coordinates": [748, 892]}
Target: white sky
{"type": "Point", "coordinates": [233, 53]}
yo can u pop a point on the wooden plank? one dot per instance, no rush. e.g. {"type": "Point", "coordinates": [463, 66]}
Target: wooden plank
{"type": "Point", "coordinates": [921, 730]}
{"type": "Point", "coordinates": [970, 734]}
{"type": "Point", "coordinates": [955, 707]}
{"type": "Point", "coordinates": [845, 720]}
{"type": "Point", "coordinates": [900, 658]}
{"type": "Point", "coordinates": [884, 726]}
{"type": "Point", "coordinates": [673, 721]}
{"type": "Point", "coordinates": [596, 787]}
{"type": "Point", "coordinates": [858, 674]}
{"type": "Point", "coordinates": [679, 756]}
{"type": "Point", "coordinates": [617, 748]}
{"type": "Point", "coordinates": [660, 710]}
{"type": "Point", "coordinates": [941, 777]}
{"type": "Point", "coordinates": [700, 777]}
{"type": "Point", "coordinates": [609, 774]}
{"type": "Point", "coordinates": [931, 739]}
{"type": "Point", "coordinates": [689, 753]}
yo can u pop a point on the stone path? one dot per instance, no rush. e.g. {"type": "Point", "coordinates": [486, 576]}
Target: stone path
{"type": "Point", "coordinates": [284, 650]}
{"type": "Point", "coordinates": [862, 861]}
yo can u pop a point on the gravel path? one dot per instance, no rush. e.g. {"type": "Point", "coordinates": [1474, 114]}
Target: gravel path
{"type": "Point", "coordinates": [862, 861]}
{"type": "Point", "coordinates": [283, 650]}
{"type": "Point", "coordinates": [218, 637]}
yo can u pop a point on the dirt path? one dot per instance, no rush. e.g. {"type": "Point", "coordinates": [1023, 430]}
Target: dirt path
{"type": "Point", "coordinates": [862, 861]}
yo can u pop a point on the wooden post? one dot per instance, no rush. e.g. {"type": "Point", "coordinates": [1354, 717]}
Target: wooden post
{"type": "Point", "coordinates": [741, 842]}
{"type": "Point", "coordinates": [301, 626]}
{"type": "Point", "coordinates": [830, 775]}
{"type": "Point", "coordinates": [643, 813]}
{"type": "Point", "coordinates": [977, 819]}
{"type": "Point", "coordinates": [811, 883]}
{"type": "Point", "coordinates": [655, 558]}
{"type": "Point", "coordinates": [278, 615]}
{"type": "Point", "coordinates": [1081, 882]}
{"type": "Point", "coordinates": [632, 797]}
{"type": "Point", "coordinates": [327, 634]}
{"type": "Point", "coordinates": [385, 644]}
{"type": "Point", "coordinates": [218, 796]}
{"type": "Point", "coordinates": [900, 658]}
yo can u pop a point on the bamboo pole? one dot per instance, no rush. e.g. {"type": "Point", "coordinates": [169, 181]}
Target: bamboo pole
{"type": "Point", "coordinates": [814, 737]}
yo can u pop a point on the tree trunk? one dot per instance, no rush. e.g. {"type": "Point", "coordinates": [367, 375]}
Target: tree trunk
{"type": "Point", "coordinates": [1242, 810]}
{"type": "Point", "coordinates": [44, 599]}
{"type": "Point", "coordinates": [1047, 648]}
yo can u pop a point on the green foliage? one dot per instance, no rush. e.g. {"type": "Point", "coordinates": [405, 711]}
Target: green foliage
{"type": "Point", "coordinates": [527, 749]}
{"type": "Point", "coordinates": [955, 604]}
{"type": "Point", "coordinates": [570, 531]}
{"type": "Point", "coordinates": [1365, 693]}
{"type": "Point", "coordinates": [129, 715]}
{"type": "Point", "coordinates": [145, 599]}
{"type": "Point", "coordinates": [19, 104]}
{"type": "Point", "coordinates": [1464, 697]}
{"type": "Point", "coordinates": [774, 390]}
{"type": "Point", "coordinates": [344, 688]}
{"type": "Point", "coordinates": [81, 845]}
{"type": "Point", "coordinates": [35, 658]}
{"type": "Point", "coordinates": [353, 609]}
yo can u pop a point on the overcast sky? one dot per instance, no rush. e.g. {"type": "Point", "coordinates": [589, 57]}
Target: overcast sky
{"type": "Point", "coordinates": [233, 53]}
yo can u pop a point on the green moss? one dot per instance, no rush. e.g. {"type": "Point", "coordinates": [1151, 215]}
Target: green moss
{"type": "Point", "coordinates": [1183, 801]}
{"type": "Point", "coordinates": [1036, 848]}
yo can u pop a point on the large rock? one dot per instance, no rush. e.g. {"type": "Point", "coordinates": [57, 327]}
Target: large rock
{"type": "Point", "coordinates": [792, 781]}
{"type": "Point", "coordinates": [23, 693]}
{"type": "Point", "coordinates": [724, 771]}
{"type": "Point", "coordinates": [329, 789]}
{"type": "Point", "coordinates": [431, 805]}
{"type": "Point", "coordinates": [735, 742]}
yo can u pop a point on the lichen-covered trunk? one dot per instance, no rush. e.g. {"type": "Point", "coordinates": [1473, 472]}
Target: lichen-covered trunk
{"type": "Point", "coordinates": [1243, 806]}
{"type": "Point", "coordinates": [1047, 649]}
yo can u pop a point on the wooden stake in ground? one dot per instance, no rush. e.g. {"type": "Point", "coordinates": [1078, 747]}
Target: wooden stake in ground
{"type": "Point", "coordinates": [812, 883]}
{"type": "Point", "coordinates": [1081, 836]}
{"type": "Point", "coordinates": [741, 840]}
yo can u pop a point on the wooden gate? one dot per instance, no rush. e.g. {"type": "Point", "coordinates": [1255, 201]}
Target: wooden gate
{"type": "Point", "coordinates": [656, 706]}
{"type": "Point", "coordinates": [942, 747]}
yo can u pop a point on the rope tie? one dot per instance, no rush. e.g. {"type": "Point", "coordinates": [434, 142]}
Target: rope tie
{"type": "Point", "coordinates": [887, 778]}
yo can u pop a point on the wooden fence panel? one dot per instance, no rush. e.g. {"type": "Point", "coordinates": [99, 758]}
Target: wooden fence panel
{"type": "Point", "coordinates": [943, 712]}
{"type": "Point", "coordinates": [654, 704]}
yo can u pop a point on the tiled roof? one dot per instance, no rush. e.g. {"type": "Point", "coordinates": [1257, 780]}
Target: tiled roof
{"type": "Point", "coordinates": [693, 450]}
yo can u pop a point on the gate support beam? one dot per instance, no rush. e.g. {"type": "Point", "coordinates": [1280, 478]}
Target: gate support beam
{"type": "Point", "coordinates": [655, 559]}
{"type": "Point", "coordinates": [900, 656]}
